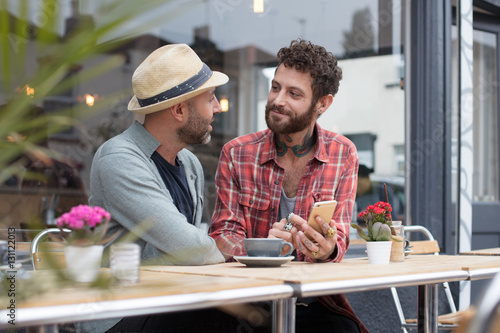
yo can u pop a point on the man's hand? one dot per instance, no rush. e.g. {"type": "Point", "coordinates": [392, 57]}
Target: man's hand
{"type": "Point", "coordinates": [278, 231]}
{"type": "Point", "coordinates": [322, 245]}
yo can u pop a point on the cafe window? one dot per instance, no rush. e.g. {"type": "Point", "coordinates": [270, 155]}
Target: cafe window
{"type": "Point", "coordinates": [485, 182]}
{"type": "Point", "coordinates": [235, 38]}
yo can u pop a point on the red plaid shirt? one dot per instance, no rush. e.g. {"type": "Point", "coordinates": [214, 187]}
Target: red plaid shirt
{"type": "Point", "coordinates": [249, 181]}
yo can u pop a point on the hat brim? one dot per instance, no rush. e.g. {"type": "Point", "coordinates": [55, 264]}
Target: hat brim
{"type": "Point", "coordinates": [217, 79]}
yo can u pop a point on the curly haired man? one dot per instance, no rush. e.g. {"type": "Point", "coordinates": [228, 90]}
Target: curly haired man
{"type": "Point", "coordinates": [263, 177]}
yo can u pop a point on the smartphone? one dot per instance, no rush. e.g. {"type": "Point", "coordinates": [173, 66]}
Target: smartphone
{"type": "Point", "coordinates": [324, 209]}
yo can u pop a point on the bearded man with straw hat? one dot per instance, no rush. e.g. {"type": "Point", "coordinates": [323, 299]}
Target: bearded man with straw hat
{"type": "Point", "coordinates": [146, 173]}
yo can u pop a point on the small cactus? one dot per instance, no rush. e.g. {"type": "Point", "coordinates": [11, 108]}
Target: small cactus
{"type": "Point", "coordinates": [381, 232]}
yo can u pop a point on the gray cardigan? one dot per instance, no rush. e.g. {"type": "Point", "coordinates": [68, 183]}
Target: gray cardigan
{"type": "Point", "coordinates": [125, 182]}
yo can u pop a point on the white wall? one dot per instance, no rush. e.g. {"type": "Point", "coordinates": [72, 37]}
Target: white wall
{"type": "Point", "coordinates": [369, 100]}
{"type": "Point", "coordinates": [364, 103]}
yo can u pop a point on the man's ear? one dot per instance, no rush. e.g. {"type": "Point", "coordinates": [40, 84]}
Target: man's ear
{"type": "Point", "coordinates": [324, 103]}
{"type": "Point", "coordinates": [179, 111]}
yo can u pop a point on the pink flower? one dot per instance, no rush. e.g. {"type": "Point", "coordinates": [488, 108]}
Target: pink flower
{"type": "Point", "coordinates": [83, 220]}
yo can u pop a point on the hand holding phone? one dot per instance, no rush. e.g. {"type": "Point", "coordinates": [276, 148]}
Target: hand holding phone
{"type": "Point", "coordinates": [325, 209]}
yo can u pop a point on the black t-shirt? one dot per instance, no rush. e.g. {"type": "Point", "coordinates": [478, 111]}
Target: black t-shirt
{"type": "Point", "coordinates": [174, 178]}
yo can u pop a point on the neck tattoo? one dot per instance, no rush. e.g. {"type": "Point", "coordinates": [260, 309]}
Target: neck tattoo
{"type": "Point", "coordinates": [298, 150]}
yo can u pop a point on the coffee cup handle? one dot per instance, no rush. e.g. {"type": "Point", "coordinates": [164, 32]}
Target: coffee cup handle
{"type": "Point", "coordinates": [406, 244]}
{"type": "Point", "coordinates": [289, 251]}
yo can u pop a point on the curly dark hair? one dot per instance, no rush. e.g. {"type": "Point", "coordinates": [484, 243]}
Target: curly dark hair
{"type": "Point", "coordinates": [313, 59]}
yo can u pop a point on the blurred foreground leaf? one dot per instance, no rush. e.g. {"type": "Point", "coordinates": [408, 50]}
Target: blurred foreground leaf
{"type": "Point", "coordinates": [23, 43]}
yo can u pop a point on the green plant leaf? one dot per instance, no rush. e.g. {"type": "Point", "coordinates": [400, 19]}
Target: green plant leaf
{"type": "Point", "coordinates": [23, 43]}
{"type": "Point", "coordinates": [361, 233]}
{"type": "Point", "coordinates": [381, 231]}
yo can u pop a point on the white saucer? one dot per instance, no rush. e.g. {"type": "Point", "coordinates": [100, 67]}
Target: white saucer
{"type": "Point", "coordinates": [407, 252]}
{"type": "Point", "coordinates": [263, 261]}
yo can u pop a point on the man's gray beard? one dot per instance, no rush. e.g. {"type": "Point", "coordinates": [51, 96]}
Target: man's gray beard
{"type": "Point", "coordinates": [206, 140]}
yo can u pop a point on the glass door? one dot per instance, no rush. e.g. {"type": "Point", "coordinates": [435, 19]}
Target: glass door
{"type": "Point", "coordinates": [485, 180]}
{"type": "Point", "coordinates": [486, 167]}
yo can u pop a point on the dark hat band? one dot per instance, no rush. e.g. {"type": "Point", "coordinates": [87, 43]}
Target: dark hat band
{"type": "Point", "coordinates": [190, 84]}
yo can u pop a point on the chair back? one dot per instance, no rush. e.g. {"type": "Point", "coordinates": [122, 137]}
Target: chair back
{"type": "Point", "coordinates": [46, 255]}
{"type": "Point", "coordinates": [425, 247]}
{"type": "Point", "coordinates": [47, 260]}
{"type": "Point", "coordinates": [429, 246]}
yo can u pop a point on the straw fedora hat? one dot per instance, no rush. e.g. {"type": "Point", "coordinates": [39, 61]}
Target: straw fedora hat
{"type": "Point", "coordinates": [170, 75]}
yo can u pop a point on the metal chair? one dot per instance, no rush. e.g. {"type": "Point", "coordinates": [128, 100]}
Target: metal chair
{"type": "Point", "coordinates": [45, 255]}
{"type": "Point", "coordinates": [430, 246]}
{"type": "Point", "coordinates": [52, 256]}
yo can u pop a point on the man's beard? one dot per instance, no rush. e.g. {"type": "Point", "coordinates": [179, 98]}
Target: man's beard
{"type": "Point", "coordinates": [294, 124]}
{"type": "Point", "coordinates": [196, 129]}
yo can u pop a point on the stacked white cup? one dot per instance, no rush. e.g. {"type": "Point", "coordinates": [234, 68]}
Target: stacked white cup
{"type": "Point", "coordinates": [125, 259]}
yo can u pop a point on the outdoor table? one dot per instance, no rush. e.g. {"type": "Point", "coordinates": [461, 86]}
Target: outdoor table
{"type": "Point", "coordinates": [174, 288]}
{"type": "Point", "coordinates": [156, 292]}
{"type": "Point", "coordinates": [353, 275]}
{"type": "Point", "coordinates": [484, 252]}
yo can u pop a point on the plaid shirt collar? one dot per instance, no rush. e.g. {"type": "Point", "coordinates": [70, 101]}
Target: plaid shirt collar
{"type": "Point", "coordinates": [270, 152]}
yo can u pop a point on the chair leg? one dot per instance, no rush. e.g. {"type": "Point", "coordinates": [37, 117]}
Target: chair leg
{"type": "Point", "coordinates": [451, 302]}
{"type": "Point", "coordinates": [399, 309]}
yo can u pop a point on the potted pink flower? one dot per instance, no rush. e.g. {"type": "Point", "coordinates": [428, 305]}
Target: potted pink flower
{"type": "Point", "coordinates": [83, 253]}
{"type": "Point", "coordinates": [88, 225]}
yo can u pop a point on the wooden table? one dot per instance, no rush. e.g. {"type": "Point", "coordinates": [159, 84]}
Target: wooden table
{"type": "Point", "coordinates": [316, 279]}
{"type": "Point", "coordinates": [156, 292]}
{"type": "Point", "coordinates": [174, 288]}
{"type": "Point", "coordinates": [484, 252]}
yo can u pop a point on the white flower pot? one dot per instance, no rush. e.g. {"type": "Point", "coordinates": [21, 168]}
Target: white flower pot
{"type": "Point", "coordinates": [83, 262]}
{"type": "Point", "coordinates": [379, 253]}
